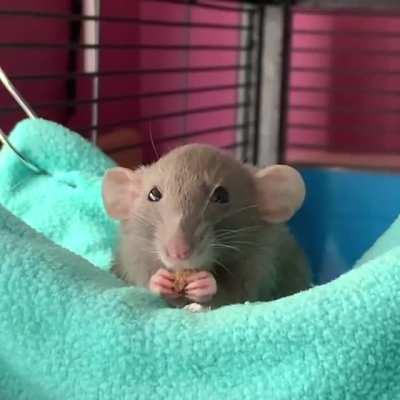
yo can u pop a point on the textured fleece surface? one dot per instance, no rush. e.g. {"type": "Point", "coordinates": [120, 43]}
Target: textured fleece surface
{"type": "Point", "coordinates": [64, 204]}
{"type": "Point", "coordinates": [69, 330]}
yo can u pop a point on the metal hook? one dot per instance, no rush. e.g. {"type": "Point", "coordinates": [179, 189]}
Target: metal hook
{"type": "Point", "coordinates": [5, 141]}
{"type": "Point", "coordinates": [16, 95]}
{"type": "Point", "coordinates": [28, 111]}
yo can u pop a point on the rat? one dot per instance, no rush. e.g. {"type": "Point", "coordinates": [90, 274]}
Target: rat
{"type": "Point", "coordinates": [199, 209]}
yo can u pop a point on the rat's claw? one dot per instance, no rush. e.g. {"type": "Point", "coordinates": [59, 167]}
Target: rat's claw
{"type": "Point", "coordinates": [202, 287]}
{"type": "Point", "coordinates": [161, 283]}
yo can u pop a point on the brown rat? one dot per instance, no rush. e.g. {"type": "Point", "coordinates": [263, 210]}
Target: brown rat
{"type": "Point", "coordinates": [199, 208]}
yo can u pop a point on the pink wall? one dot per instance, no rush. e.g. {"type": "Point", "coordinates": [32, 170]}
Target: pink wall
{"type": "Point", "coordinates": [345, 81]}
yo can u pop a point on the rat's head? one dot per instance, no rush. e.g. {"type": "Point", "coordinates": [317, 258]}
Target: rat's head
{"type": "Point", "coordinates": [192, 193]}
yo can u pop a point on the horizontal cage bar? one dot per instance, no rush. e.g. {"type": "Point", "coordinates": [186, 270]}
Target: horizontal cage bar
{"type": "Point", "coordinates": [219, 68]}
{"type": "Point", "coordinates": [329, 32]}
{"type": "Point", "coordinates": [109, 46]}
{"type": "Point", "coordinates": [344, 110]}
{"type": "Point", "coordinates": [350, 89]}
{"type": "Point", "coordinates": [119, 20]}
{"type": "Point", "coordinates": [138, 96]}
{"type": "Point", "coordinates": [343, 149]}
{"type": "Point", "coordinates": [354, 130]}
{"type": "Point", "coordinates": [167, 115]}
{"type": "Point", "coordinates": [210, 5]}
{"type": "Point", "coordinates": [190, 134]}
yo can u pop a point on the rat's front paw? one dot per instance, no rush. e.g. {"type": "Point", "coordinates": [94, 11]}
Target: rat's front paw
{"type": "Point", "coordinates": [201, 287]}
{"type": "Point", "coordinates": [162, 283]}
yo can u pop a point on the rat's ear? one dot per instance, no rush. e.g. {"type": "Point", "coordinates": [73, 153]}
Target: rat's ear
{"type": "Point", "coordinates": [281, 192]}
{"type": "Point", "coordinates": [121, 187]}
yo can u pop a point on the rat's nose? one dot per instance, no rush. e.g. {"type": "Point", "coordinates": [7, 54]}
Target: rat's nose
{"type": "Point", "coordinates": [178, 249]}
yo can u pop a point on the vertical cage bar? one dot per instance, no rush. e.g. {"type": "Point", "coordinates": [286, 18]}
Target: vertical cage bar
{"type": "Point", "coordinates": [248, 89]}
{"type": "Point", "coordinates": [74, 39]}
{"type": "Point", "coordinates": [241, 80]}
{"type": "Point", "coordinates": [285, 84]}
{"type": "Point", "coordinates": [96, 82]}
{"type": "Point", "coordinates": [258, 82]}
{"type": "Point", "coordinates": [92, 60]}
{"type": "Point", "coordinates": [186, 55]}
{"type": "Point", "coordinates": [269, 88]}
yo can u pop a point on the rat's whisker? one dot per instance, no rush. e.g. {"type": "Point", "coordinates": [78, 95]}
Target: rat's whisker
{"type": "Point", "coordinates": [232, 233]}
{"type": "Point", "coordinates": [141, 220]}
{"type": "Point", "coordinates": [143, 242]}
{"type": "Point", "coordinates": [243, 242]}
{"type": "Point", "coordinates": [234, 212]}
{"type": "Point", "coordinates": [153, 145]}
{"type": "Point", "coordinates": [245, 228]}
{"type": "Point", "coordinates": [223, 245]}
{"type": "Point", "coordinates": [222, 266]}
{"type": "Point", "coordinates": [145, 246]}
{"type": "Point", "coordinates": [209, 197]}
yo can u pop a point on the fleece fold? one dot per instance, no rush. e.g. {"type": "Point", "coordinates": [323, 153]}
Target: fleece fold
{"type": "Point", "coordinates": [71, 330]}
{"type": "Point", "coordinates": [64, 202]}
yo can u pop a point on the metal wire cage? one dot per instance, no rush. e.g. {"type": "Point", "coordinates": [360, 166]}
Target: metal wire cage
{"type": "Point", "coordinates": [128, 74]}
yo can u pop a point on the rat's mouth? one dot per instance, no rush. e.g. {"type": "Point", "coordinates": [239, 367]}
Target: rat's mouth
{"type": "Point", "coordinates": [195, 251]}
{"type": "Point", "coordinates": [196, 261]}
{"type": "Point", "coordinates": [202, 257]}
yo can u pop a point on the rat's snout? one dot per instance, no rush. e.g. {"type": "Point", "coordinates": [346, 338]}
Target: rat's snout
{"type": "Point", "coordinates": [182, 242]}
{"type": "Point", "coordinates": [178, 248]}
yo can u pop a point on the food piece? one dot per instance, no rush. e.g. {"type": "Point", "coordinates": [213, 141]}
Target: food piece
{"type": "Point", "coordinates": [180, 279]}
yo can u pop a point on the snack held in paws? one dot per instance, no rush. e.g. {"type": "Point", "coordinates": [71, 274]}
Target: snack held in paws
{"type": "Point", "coordinates": [200, 226]}
{"type": "Point", "coordinates": [180, 280]}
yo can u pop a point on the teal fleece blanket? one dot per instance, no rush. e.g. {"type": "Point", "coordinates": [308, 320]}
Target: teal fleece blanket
{"type": "Point", "coordinates": [65, 203]}
{"type": "Point", "coordinates": [70, 330]}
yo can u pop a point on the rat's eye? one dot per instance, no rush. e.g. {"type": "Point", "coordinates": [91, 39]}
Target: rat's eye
{"type": "Point", "coordinates": [220, 195]}
{"type": "Point", "coordinates": [154, 194]}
